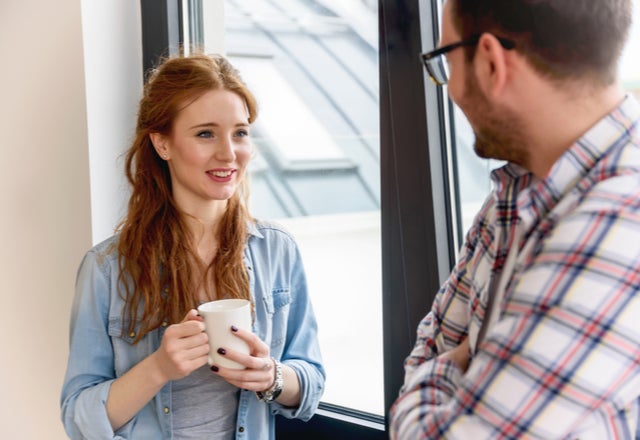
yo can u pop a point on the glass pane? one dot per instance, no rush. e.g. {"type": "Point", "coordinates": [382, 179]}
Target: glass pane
{"type": "Point", "coordinates": [313, 66]}
{"type": "Point", "coordinates": [629, 67]}
{"type": "Point", "coordinates": [473, 172]}
{"type": "Point", "coordinates": [474, 182]}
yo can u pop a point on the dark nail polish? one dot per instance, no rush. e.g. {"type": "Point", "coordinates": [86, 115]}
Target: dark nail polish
{"type": "Point", "coordinates": [222, 351]}
{"type": "Point", "coordinates": [214, 368]}
{"type": "Point", "coordinates": [234, 328]}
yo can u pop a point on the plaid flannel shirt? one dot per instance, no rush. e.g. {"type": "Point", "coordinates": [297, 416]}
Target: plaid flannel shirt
{"type": "Point", "coordinates": [562, 359]}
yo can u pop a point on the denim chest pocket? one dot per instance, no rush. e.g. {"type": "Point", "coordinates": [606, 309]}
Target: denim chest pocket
{"type": "Point", "coordinates": [277, 306]}
{"type": "Point", "coordinates": [279, 298]}
{"type": "Point", "coordinates": [126, 354]}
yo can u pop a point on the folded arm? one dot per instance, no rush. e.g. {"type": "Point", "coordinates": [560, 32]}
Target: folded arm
{"type": "Point", "coordinates": [564, 347]}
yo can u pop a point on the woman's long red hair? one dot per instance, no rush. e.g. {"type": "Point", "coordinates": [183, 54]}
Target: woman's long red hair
{"type": "Point", "coordinates": [158, 276]}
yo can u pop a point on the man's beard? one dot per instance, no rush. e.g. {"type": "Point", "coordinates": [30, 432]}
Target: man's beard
{"type": "Point", "coordinates": [498, 133]}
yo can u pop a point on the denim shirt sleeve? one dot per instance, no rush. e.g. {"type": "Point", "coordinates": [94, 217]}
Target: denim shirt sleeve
{"type": "Point", "coordinates": [294, 338]}
{"type": "Point", "coordinates": [302, 351]}
{"type": "Point", "coordinates": [90, 369]}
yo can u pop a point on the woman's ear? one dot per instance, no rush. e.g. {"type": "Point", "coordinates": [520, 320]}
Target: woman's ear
{"type": "Point", "coordinates": [491, 64]}
{"type": "Point", "coordinates": [159, 143]}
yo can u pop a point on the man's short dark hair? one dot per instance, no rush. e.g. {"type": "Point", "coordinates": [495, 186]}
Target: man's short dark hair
{"type": "Point", "coordinates": [562, 38]}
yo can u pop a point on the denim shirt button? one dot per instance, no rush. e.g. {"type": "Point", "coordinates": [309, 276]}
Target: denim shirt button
{"type": "Point", "coordinates": [165, 323]}
{"type": "Point", "coordinates": [166, 410]}
{"type": "Point", "coordinates": [241, 429]}
{"type": "Point", "coordinates": [132, 334]}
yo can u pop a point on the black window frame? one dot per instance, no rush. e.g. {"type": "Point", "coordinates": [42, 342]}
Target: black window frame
{"type": "Point", "coordinates": [419, 211]}
{"type": "Point", "coordinates": [162, 31]}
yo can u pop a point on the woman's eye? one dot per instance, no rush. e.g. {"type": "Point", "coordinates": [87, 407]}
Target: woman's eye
{"type": "Point", "coordinates": [242, 133]}
{"type": "Point", "coordinates": [205, 134]}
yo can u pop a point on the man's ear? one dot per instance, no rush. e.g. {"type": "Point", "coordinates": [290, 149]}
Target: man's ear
{"type": "Point", "coordinates": [159, 143]}
{"type": "Point", "coordinates": [492, 65]}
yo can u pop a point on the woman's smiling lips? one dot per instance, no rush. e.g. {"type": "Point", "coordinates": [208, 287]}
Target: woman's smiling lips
{"type": "Point", "coordinates": [221, 174]}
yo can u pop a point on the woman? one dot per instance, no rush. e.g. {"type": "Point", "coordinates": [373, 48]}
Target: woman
{"type": "Point", "coordinates": [138, 353]}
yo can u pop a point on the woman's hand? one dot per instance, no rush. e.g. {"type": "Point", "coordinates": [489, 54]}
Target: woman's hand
{"type": "Point", "coordinates": [184, 347]}
{"type": "Point", "coordinates": [259, 374]}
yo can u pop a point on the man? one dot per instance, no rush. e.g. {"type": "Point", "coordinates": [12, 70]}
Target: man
{"type": "Point", "coordinates": [536, 334]}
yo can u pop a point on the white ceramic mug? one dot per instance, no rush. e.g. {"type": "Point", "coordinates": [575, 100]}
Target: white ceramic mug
{"type": "Point", "coordinates": [219, 316]}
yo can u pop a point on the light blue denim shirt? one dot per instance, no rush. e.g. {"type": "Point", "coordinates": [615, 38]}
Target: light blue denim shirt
{"type": "Point", "coordinates": [100, 352]}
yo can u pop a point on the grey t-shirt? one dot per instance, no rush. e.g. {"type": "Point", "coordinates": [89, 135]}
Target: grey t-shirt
{"type": "Point", "coordinates": [204, 407]}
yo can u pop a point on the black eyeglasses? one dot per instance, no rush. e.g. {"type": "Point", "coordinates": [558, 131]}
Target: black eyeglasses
{"type": "Point", "coordinates": [436, 62]}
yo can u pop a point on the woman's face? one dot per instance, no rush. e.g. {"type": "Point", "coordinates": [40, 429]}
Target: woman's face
{"type": "Point", "coordinates": [208, 149]}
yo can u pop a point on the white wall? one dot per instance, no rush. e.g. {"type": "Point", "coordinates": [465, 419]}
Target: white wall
{"type": "Point", "coordinates": [45, 221]}
{"type": "Point", "coordinates": [48, 123]}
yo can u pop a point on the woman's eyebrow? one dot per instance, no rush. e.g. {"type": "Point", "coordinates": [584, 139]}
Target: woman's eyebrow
{"type": "Point", "coordinates": [215, 124]}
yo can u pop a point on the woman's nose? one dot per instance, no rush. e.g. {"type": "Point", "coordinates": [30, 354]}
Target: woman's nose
{"type": "Point", "coordinates": [225, 151]}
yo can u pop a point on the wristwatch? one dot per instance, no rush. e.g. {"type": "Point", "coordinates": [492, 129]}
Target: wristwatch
{"type": "Point", "coordinates": [272, 393]}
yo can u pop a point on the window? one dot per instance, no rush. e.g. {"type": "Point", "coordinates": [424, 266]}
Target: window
{"type": "Point", "coordinates": [315, 78]}
{"type": "Point", "coordinates": [373, 181]}
{"type": "Point", "coordinates": [629, 66]}
{"type": "Point", "coordinates": [364, 110]}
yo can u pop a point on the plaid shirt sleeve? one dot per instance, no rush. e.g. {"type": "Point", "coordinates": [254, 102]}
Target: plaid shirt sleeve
{"type": "Point", "coordinates": [564, 357]}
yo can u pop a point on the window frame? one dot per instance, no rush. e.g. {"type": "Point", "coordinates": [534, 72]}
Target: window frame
{"type": "Point", "coordinates": [162, 30]}
{"type": "Point", "coordinates": [418, 217]}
